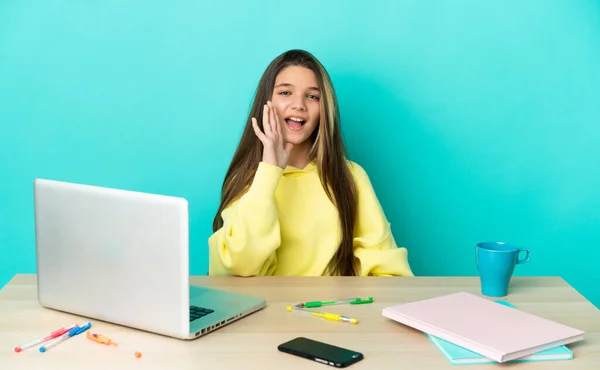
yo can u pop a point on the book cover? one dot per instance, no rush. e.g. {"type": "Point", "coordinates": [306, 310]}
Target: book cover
{"type": "Point", "coordinates": [483, 326]}
{"type": "Point", "coordinates": [458, 355]}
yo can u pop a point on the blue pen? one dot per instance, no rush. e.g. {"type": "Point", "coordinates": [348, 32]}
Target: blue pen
{"type": "Point", "coordinates": [76, 330]}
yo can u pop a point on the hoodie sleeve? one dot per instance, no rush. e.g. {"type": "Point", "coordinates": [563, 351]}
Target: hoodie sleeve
{"type": "Point", "coordinates": [246, 243]}
{"type": "Point", "coordinates": [374, 244]}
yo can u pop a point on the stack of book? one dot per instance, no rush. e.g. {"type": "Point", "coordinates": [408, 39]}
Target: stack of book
{"type": "Point", "coordinates": [469, 329]}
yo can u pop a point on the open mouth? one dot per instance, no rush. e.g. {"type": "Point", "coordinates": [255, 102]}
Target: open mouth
{"type": "Point", "coordinates": [295, 123]}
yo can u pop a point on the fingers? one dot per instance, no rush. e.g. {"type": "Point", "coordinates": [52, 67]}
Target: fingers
{"type": "Point", "coordinates": [257, 131]}
{"type": "Point", "coordinates": [267, 127]}
{"type": "Point", "coordinates": [274, 118]}
{"type": "Point", "coordinates": [271, 129]}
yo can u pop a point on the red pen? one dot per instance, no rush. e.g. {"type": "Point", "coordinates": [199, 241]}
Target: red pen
{"type": "Point", "coordinates": [35, 342]}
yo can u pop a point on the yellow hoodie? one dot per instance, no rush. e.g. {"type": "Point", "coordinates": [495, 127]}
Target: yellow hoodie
{"type": "Point", "coordinates": [286, 225]}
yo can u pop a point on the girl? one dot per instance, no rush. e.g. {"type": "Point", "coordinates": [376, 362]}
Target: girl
{"type": "Point", "coordinates": [291, 203]}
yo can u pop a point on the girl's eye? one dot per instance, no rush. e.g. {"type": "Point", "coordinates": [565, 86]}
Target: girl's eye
{"type": "Point", "coordinates": [314, 97]}
{"type": "Point", "coordinates": [284, 93]}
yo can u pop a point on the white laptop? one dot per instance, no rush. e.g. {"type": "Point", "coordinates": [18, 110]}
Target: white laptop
{"type": "Point", "coordinates": [123, 257]}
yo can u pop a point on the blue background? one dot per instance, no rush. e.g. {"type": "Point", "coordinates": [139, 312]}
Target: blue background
{"type": "Point", "coordinates": [475, 120]}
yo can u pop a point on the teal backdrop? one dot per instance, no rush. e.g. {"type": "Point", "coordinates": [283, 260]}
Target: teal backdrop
{"type": "Point", "coordinates": [475, 120]}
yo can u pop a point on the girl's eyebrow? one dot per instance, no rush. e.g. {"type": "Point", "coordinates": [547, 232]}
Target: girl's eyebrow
{"type": "Point", "coordinates": [286, 84]}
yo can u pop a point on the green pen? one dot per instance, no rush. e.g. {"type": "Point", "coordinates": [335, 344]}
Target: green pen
{"type": "Point", "coordinates": [337, 301]}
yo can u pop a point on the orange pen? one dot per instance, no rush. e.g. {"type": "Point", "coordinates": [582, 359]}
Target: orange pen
{"type": "Point", "coordinates": [109, 342]}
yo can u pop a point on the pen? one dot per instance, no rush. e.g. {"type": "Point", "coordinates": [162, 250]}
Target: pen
{"type": "Point", "coordinates": [337, 301]}
{"type": "Point", "coordinates": [105, 340]}
{"type": "Point", "coordinates": [75, 331]}
{"type": "Point", "coordinates": [325, 315]}
{"type": "Point", "coordinates": [35, 342]}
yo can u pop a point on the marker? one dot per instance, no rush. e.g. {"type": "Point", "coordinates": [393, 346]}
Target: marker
{"type": "Point", "coordinates": [75, 331]}
{"type": "Point", "coordinates": [325, 315]}
{"type": "Point", "coordinates": [35, 342]}
{"type": "Point", "coordinates": [334, 302]}
{"type": "Point", "coordinates": [106, 340]}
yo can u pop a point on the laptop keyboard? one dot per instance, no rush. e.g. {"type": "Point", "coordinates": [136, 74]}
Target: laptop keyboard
{"type": "Point", "coordinates": [198, 312]}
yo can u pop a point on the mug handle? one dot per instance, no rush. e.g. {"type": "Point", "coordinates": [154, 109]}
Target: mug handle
{"type": "Point", "coordinates": [524, 259]}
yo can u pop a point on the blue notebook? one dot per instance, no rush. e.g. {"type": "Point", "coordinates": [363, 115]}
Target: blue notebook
{"type": "Point", "coordinates": [458, 355]}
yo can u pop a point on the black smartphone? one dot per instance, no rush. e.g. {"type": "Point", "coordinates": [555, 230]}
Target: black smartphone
{"type": "Point", "coordinates": [320, 352]}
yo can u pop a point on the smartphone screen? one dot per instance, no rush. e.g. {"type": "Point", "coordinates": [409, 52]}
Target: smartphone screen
{"type": "Point", "coordinates": [321, 352]}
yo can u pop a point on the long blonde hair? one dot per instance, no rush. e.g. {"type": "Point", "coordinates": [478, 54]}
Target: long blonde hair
{"type": "Point", "coordinates": [328, 148]}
